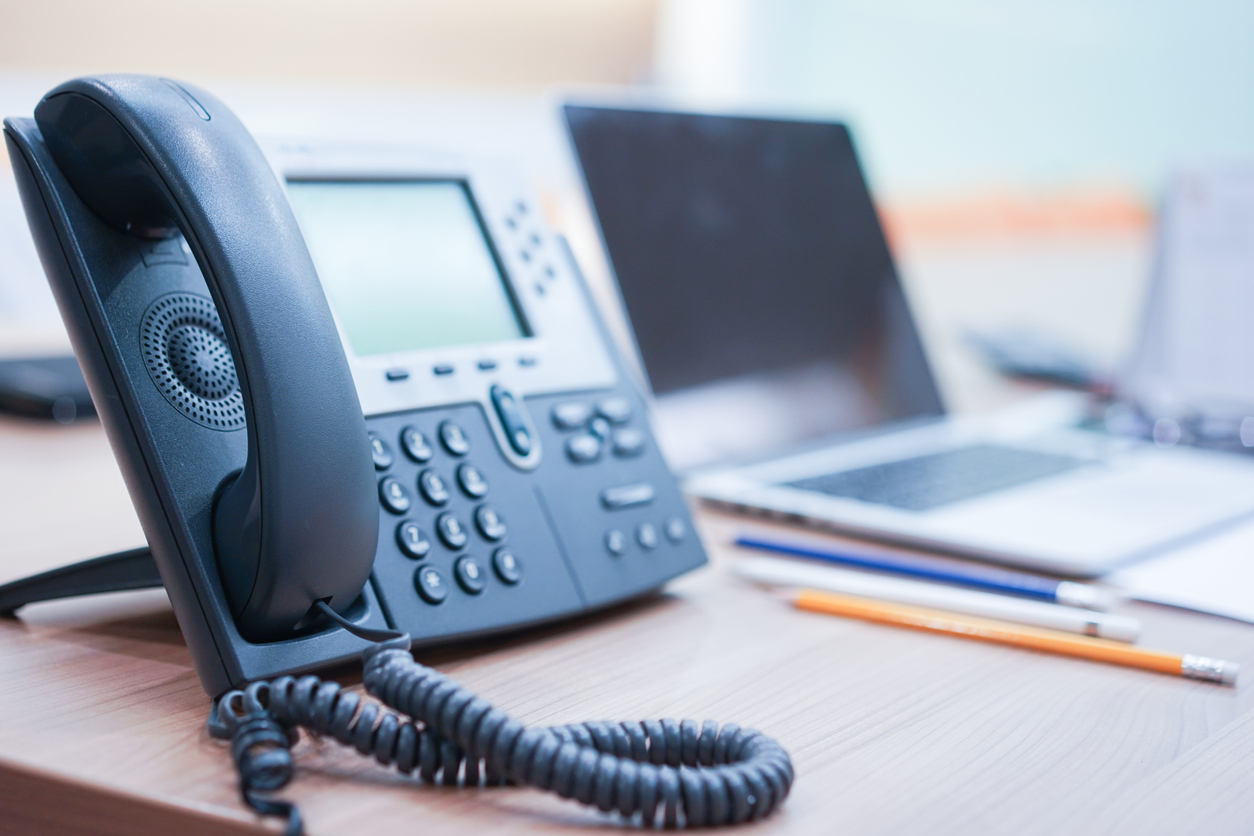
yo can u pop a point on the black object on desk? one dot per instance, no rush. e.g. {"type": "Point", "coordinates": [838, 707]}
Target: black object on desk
{"type": "Point", "coordinates": [45, 387]}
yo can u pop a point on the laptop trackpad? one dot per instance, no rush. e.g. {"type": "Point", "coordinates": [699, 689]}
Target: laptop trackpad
{"type": "Point", "coordinates": [930, 481]}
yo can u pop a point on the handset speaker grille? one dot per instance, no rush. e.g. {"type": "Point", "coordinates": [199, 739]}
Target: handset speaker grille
{"type": "Point", "coordinates": [185, 350]}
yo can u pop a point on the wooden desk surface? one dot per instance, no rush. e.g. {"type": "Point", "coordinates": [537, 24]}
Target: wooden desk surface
{"type": "Point", "coordinates": [891, 731]}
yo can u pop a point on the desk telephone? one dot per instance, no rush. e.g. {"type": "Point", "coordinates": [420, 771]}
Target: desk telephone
{"type": "Point", "coordinates": [361, 394]}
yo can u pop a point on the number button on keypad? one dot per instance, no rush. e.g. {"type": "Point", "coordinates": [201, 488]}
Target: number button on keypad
{"type": "Point", "coordinates": [452, 532]}
{"type": "Point", "coordinates": [380, 452]}
{"type": "Point", "coordinates": [489, 523]}
{"type": "Point", "coordinates": [432, 487]}
{"type": "Point", "coordinates": [394, 496]}
{"type": "Point", "coordinates": [507, 567]}
{"type": "Point", "coordinates": [415, 445]}
{"type": "Point", "coordinates": [472, 481]}
{"type": "Point", "coordinates": [454, 439]}
{"type": "Point", "coordinates": [469, 575]}
{"type": "Point", "coordinates": [412, 540]}
{"type": "Point", "coordinates": [430, 584]}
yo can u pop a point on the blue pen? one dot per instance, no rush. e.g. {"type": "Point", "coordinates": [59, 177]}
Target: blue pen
{"type": "Point", "coordinates": [976, 577]}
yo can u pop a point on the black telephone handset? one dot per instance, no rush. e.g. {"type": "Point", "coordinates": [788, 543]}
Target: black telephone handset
{"type": "Point", "coordinates": [151, 158]}
{"type": "Point", "coordinates": [290, 465]}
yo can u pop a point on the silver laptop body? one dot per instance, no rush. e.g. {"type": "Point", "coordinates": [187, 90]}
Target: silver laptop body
{"type": "Point", "coordinates": [790, 379]}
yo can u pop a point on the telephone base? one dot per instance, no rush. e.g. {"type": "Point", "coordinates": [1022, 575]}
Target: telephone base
{"type": "Point", "coordinates": [133, 569]}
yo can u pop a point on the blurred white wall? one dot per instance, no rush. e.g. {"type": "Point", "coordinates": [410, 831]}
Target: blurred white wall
{"type": "Point", "coordinates": [960, 96]}
{"type": "Point", "coordinates": [497, 43]}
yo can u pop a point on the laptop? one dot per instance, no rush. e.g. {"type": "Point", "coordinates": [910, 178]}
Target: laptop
{"type": "Point", "coordinates": [789, 377]}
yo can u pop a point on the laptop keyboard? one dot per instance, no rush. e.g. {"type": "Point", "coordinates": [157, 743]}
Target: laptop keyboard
{"type": "Point", "coordinates": [926, 482]}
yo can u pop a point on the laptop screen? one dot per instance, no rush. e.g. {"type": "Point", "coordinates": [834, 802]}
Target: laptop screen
{"type": "Point", "coordinates": [756, 276]}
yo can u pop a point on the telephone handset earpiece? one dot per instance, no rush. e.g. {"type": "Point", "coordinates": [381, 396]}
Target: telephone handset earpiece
{"type": "Point", "coordinates": [299, 523]}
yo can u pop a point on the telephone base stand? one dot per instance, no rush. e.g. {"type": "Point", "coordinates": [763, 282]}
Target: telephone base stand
{"type": "Point", "coordinates": [133, 569]}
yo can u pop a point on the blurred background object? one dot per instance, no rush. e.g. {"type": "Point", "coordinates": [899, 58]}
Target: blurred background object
{"type": "Point", "coordinates": [1015, 149]}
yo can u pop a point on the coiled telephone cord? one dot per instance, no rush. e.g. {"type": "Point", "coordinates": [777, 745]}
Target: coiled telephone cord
{"type": "Point", "coordinates": [692, 774]}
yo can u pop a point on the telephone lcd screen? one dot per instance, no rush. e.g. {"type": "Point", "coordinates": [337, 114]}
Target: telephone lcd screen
{"type": "Point", "coordinates": [405, 264]}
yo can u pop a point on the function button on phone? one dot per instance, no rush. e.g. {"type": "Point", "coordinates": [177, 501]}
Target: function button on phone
{"type": "Point", "coordinates": [626, 496]}
{"type": "Point", "coordinates": [394, 496]}
{"type": "Point", "coordinates": [472, 481]}
{"type": "Point", "coordinates": [452, 532]}
{"type": "Point", "coordinates": [570, 415]}
{"type": "Point", "coordinates": [454, 438]}
{"type": "Point", "coordinates": [469, 574]}
{"type": "Point", "coordinates": [412, 540]}
{"type": "Point", "coordinates": [646, 535]}
{"type": "Point", "coordinates": [380, 452]}
{"type": "Point", "coordinates": [615, 542]}
{"type": "Point", "coordinates": [489, 522]}
{"type": "Point", "coordinates": [432, 487]}
{"type": "Point", "coordinates": [583, 448]}
{"type": "Point", "coordinates": [511, 419]}
{"type": "Point", "coordinates": [614, 410]}
{"type": "Point", "coordinates": [442, 369]}
{"type": "Point", "coordinates": [430, 584]}
{"type": "Point", "coordinates": [527, 361]}
{"type": "Point", "coordinates": [397, 375]}
{"type": "Point", "coordinates": [600, 428]}
{"type": "Point", "coordinates": [507, 567]}
{"type": "Point", "coordinates": [628, 443]}
{"type": "Point", "coordinates": [675, 530]}
{"type": "Point", "coordinates": [486, 365]}
{"type": "Point", "coordinates": [415, 445]}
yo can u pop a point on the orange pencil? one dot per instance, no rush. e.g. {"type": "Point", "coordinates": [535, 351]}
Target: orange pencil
{"type": "Point", "coordinates": [998, 632]}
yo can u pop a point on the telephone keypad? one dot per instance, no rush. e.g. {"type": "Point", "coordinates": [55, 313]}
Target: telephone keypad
{"type": "Point", "coordinates": [394, 496]}
{"type": "Point", "coordinates": [380, 452]}
{"type": "Point", "coordinates": [415, 445]}
{"type": "Point", "coordinates": [469, 575]}
{"type": "Point", "coordinates": [454, 439]}
{"type": "Point", "coordinates": [412, 540]}
{"type": "Point", "coordinates": [452, 532]}
{"type": "Point", "coordinates": [598, 519]}
{"type": "Point", "coordinates": [432, 488]}
{"type": "Point", "coordinates": [472, 481]}
{"type": "Point", "coordinates": [430, 585]}
{"type": "Point", "coordinates": [489, 523]}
